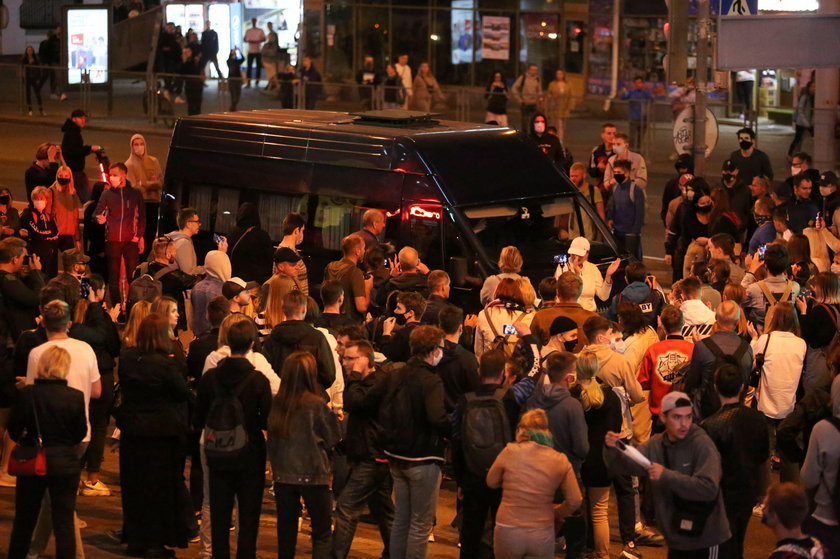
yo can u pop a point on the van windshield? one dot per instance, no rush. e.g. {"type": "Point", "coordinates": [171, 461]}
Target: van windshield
{"type": "Point", "coordinates": [540, 228]}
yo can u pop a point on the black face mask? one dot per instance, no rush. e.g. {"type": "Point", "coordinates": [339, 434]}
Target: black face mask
{"type": "Point", "coordinates": [5, 200]}
{"type": "Point", "coordinates": [727, 177]}
{"type": "Point", "coordinates": [570, 345]}
{"type": "Point", "coordinates": [63, 182]}
{"type": "Point", "coordinates": [745, 144]}
{"type": "Point", "coordinates": [619, 178]}
{"type": "Point", "coordinates": [704, 209]}
{"type": "Point", "coordinates": [401, 318]}
{"type": "Point", "coordinates": [760, 219]}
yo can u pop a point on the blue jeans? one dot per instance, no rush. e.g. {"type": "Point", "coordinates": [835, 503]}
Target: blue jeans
{"type": "Point", "coordinates": [416, 489]}
{"type": "Point", "coordinates": [370, 483]}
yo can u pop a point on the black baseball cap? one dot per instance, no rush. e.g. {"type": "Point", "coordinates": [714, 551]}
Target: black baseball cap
{"type": "Point", "coordinates": [78, 113]}
{"type": "Point", "coordinates": [729, 166]}
{"type": "Point", "coordinates": [285, 254]}
{"type": "Point", "coordinates": [829, 178]}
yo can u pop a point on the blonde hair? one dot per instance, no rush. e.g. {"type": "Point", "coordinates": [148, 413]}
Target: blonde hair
{"type": "Point", "coordinates": [533, 420]}
{"type": "Point", "coordinates": [510, 260]}
{"type": "Point", "coordinates": [528, 293]}
{"type": "Point", "coordinates": [227, 323]}
{"type": "Point", "coordinates": [70, 187]}
{"type": "Point", "coordinates": [54, 363]}
{"type": "Point", "coordinates": [139, 311]}
{"type": "Point", "coordinates": [591, 394]}
{"type": "Point", "coordinates": [274, 314]}
{"type": "Point", "coordinates": [40, 192]}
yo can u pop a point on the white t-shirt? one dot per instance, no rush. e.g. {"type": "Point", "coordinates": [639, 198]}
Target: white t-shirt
{"type": "Point", "coordinates": [254, 37]}
{"type": "Point", "coordinates": [83, 368]}
{"type": "Point", "coordinates": [782, 368]}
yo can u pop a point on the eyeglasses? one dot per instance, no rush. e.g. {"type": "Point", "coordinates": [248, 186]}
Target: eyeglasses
{"type": "Point", "coordinates": [194, 221]}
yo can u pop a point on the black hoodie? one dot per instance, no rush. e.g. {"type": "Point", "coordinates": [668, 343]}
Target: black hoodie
{"type": "Point", "coordinates": [551, 146]}
{"type": "Point", "coordinates": [458, 369]}
{"type": "Point", "coordinates": [255, 397]}
{"type": "Point", "coordinates": [296, 335]}
{"type": "Point", "coordinates": [251, 250]}
{"type": "Point", "coordinates": [73, 147]}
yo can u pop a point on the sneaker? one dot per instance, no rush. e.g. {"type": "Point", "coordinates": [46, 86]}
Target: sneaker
{"type": "Point", "coordinates": [431, 537]}
{"type": "Point", "coordinates": [42, 112]}
{"type": "Point", "coordinates": [30, 113]}
{"type": "Point", "coordinates": [63, 97]}
{"type": "Point", "coordinates": [82, 524]}
{"type": "Point", "coordinates": [32, 556]}
{"type": "Point", "coordinates": [97, 489]}
{"type": "Point", "coordinates": [179, 100]}
{"type": "Point", "coordinates": [53, 96]}
{"type": "Point", "coordinates": [630, 552]}
{"type": "Point", "coordinates": [115, 535]}
{"type": "Point", "coordinates": [649, 538]}
{"type": "Point", "coordinates": [758, 510]}
{"type": "Point", "coordinates": [8, 481]}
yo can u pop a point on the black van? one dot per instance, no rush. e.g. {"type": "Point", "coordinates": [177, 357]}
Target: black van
{"type": "Point", "coordinates": [458, 192]}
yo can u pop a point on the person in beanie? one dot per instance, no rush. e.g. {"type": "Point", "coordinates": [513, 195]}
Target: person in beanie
{"type": "Point", "coordinates": [685, 473]}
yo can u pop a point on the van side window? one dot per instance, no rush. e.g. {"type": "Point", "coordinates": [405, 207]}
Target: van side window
{"type": "Point", "coordinates": [274, 207]}
{"type": "Point", "coordinates": [227, 206]}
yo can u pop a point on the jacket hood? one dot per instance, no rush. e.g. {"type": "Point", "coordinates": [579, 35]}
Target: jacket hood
{"type": "Point", "coordinates": [637, 291]}
{"type": "Point", "coordinates": [248, 216]}
{"type": "Point", "coordinates": [134, 158]}
{"type": "Point", "coordinates": [291, 332]}
{"type": "Point", "coordinates": [451, 352]}
{"type": "Point", "coordinates": [69, 125]}
{"type": "Point", "coordinates": [231, 370]}
{"type": "Point", "coordinates": [550, 395]}
{"type": "Point", "coordinates": [693, 432]}
{"type": "Point", "coordinates": [531, 124]}
{"type": "Point", "coordinates": [339, 267]}
{"type": "Point", "coordinates": [835, 396]}
{"type": "Point", "coordinates": [217, 264]}
{"type": "Point", "coordinates": [177, 236]}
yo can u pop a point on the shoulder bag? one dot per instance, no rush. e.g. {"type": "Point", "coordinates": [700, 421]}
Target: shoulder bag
{"type": "Point", "coordinates": [29, 460]}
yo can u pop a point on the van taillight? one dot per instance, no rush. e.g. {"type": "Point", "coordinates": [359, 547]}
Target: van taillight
{"type": "Point", "coordinates": [424, 212]}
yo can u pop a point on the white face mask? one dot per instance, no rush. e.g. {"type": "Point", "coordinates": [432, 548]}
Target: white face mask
{"type": "Point", "coordinates": [618, 149]}
{"type": "Point", "coordinates": [139, 150]}
{"type": "Point", "coordinates": [795, 171]}
{"type": "Point", "coordinates": [437, 359]}
{"type": "Point", "coordinates": [689, 195]}
{"type": "Point", "coordinates": [39, 204]}
{"type": "Point", "coordinates": [835, 269]}
{"type": "Point", "coordinates": [618, 346]}
{"type": "Point", "coordinates": [115, 181]}
{"type": "Point", "coordinates": [539, 127]}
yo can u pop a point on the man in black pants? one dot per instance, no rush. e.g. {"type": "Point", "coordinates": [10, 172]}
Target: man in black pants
{"type": "Point", "coordinates": [255, 37]}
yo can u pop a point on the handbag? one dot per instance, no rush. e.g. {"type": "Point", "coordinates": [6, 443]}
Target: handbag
{"type": "Point", "coordinates": [755, 374]}
{"type": "Point", "coordinates": [690, 517]}
{"type": "Point", "coordinates": [29, 460]}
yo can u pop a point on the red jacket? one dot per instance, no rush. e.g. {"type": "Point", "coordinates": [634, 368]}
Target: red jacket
{"type": "Point", "coordinates": [661, 365]}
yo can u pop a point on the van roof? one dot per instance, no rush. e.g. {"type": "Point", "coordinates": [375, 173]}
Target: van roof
{"type": "Point", "coordinates": [459, 153]}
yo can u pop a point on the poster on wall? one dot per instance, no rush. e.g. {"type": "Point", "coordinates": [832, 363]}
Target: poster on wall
{"type": "Point", "coordinates": [87, 44]}
{"type": "Point", "coordinates": [462, 31]}
{"type": "Point", "coordinates": [495, 33]}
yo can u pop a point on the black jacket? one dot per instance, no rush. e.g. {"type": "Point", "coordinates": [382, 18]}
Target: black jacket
{"type": "Point", "coordinates": [154, 395]}
{"type": "Point", "coordinates": [39, 176]}
{"type": "Point", "coordinates": [255, 398]}
{"type": "Point", "coordinates": [428, 412]}
{"type": "Point", "coordinates": [434, 304]}
{"type": "Point", "coordinates": [251, 250]}
{"type": "Point", "coordinates": [107, 338]}
{"type": "Point", "coordinates": [61, 416]}
{"type": "Point", "coordinates": [599, 420]}
{"type": "Point", "coordinates": [458, 369]}
{"type": "Point", "coordinates": [404, 282]}
{"type": "Point", "coordinates": [174, 284]}
{"type": "Point", "coordinates": [741, 437]}
{"type": "Point", "coordinates": [296, 335]}
{"type": "Point", "coordinates": [334, 322]}
{"type": "Point", "coordinates": [19, 300]}
{"type": "Point", "coordinates": [794, 431]}
{"type": "Point", "coordinates": [361, 402]}
{"type": "Point", "coordinates": [73, 146]}
{"type": "Point", "coordinates": [200, 348]}
{"type": "Point", "coordinates": [395, 346]}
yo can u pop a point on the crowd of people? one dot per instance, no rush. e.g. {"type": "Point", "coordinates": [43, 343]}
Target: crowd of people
{"type": "Point", "coordinates": [364, 386]}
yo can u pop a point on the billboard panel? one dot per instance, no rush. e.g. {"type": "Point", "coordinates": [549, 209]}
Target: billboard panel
{"type": "Point", "coordinates": [86, 44]}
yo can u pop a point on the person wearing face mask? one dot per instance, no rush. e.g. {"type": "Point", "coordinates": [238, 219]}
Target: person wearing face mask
{"type": "Point", "coordinates": [738, 194]}
{"type": "Point", "coordinates": [684, 166]}
{"type": "Point", "coordinates": [549, 144]}
{"type": "Point", "coordinates": [802, 212]}
{"type": "Point", "coordinates": [9, 216]}
{"type": "Point", "coordinates": [638, 166]}
{"type": "Point", "coordinates": [414, 424]}
{"type": "Point", "coordinates": [751, 161]}
{"type": "Point", "coordinates": [64, 206]}
{"type": "Point", "coordinates": [145, 174]}
{"type": "Point", "coordinates": [763, 216]}
{"type": "Point", "coordinates": [251, 247]}
{"type": "Point", "coordinates": [626, 210]}
{"type": "Point", "coordinates": [830, 200]}
{"type": "Point", "coordinates": [293, 229]}
{"type": "Point", "coordinates": [122, 211]}
{"type": "Point", "coordinates": [802, 162]}
{"type": "Point", "coordinates": [40, 231]}
{"type": "Point", "coordinates": [409, 309]}
{"type": "Point", "coordinates": [689, 230]}
{"type": "Point", "coordinates": [563, 336]}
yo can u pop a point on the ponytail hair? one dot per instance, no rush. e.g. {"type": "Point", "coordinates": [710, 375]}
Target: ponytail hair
{"type": "Point", "coordinates": [591, 393]}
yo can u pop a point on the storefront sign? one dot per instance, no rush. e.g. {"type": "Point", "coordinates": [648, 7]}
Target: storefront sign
{"type": "Point", "coordinates": [788, 5]}
{"type": "Point", "coordinates": [495, 32]}
{"type": "Point", "coordinates": [87, 45]}
{"type": "Point", "coordinates": [738, 7]}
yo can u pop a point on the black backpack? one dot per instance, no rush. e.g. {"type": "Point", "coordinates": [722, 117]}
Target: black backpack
{"type": "Point", "coordinates": [706, 400]}
{"type": "Point", "coordinates": [396, 419]}
{"type": "Point", "coordinates": [225, 435]}
{"type": "Point", "coordinates": [485, 430]}
{"type": "Point", "coordinates": [147, 287]}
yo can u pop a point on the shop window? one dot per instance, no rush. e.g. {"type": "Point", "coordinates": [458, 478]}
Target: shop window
{"type": "Point", "coordinates": [410, 35]}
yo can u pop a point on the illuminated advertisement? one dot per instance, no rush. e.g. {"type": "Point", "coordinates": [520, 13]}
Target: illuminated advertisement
{"type": "Point", "coordinates": [462, 31]}
{"type": "Point", "coordinates": [495, 38]}
{"type": "Point", "coordinates": [87, 45]}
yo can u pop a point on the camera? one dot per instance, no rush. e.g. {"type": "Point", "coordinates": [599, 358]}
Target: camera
{"type": "Point", "coordinates": [509, 330]}
{"type": "Point", "coordinates": [561, 259]}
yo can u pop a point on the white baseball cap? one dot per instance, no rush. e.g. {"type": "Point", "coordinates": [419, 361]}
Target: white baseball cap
{"type": "Point", "coordinates": [579, 246]}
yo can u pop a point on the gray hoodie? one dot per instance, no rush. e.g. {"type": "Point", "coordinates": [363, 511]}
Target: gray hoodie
{"type": "Point", "coordinates": [694, 474]}
{"type": "Point", "coordinates": [184, 252]}
{"type": "Point", "coordinates": [565, 421]}
{"type": "Point", "coordinates": [819, 471]}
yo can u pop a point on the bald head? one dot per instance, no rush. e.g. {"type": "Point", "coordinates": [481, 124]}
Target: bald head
{"type": "Point", "coordinates": [727, 316]}
{"type": "Point", "coordinates": [408, 259]}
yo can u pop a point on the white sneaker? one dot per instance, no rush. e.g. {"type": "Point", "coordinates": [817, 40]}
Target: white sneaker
{"type": "Point", "coordinates": [53, 96]}
{"type": "Point", "coordinates": [97, 489]}
{"type": "Point", "coordinates": [431, 537]}
{"type": "Point", "coordinates": [63, 97]}
{"type": "Point", "coordinates": [758, 510]}
{"type": "Point", "coordinates": [32, 556]}
{"type": "Point", "coordinates": [179, 100]}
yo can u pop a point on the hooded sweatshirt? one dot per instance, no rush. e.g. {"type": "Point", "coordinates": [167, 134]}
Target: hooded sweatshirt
{"type": "Point", "coordinates": [693, 472]}
{"type": "Point", "coordinates": [820, 470]}
{"type": "Point", "coordinates": [217, 266]}
{"type": "Point", "coordinates": [565, 421]}
{"type": "Point", "coordinates": [296, 335]}
{"type": "Point", "coordinates": [185, 252]}
{"type": "Point", "coordinates": [144, 172]}
{"type": "Point", "coordinates": [458, 369]}
{"type": "Point", "coordinates": [640, 293]}
{"type": "Point", "coordinates": [73, 148]}
{"type": "Point", "coordinates": [251, 249]}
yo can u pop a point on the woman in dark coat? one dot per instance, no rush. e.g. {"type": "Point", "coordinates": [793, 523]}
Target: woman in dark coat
{"type": "Point", "coordinates": [62, 423]}
{"type": "Point", "coordinates": [251, 250]}
{"type": "Point", "coordinates": [153, 422]}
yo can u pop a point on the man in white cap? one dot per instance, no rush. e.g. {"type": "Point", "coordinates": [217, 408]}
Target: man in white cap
{"type": "Point", "coordinates": [238, 293]}
{"type": "Point", "coordinates": [685, 471]}
{"type": "Point", "coordinates": [577, 261]}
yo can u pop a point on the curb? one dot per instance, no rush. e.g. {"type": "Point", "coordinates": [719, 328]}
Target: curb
{"type": "Point", "coordinates": [146, 129]}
